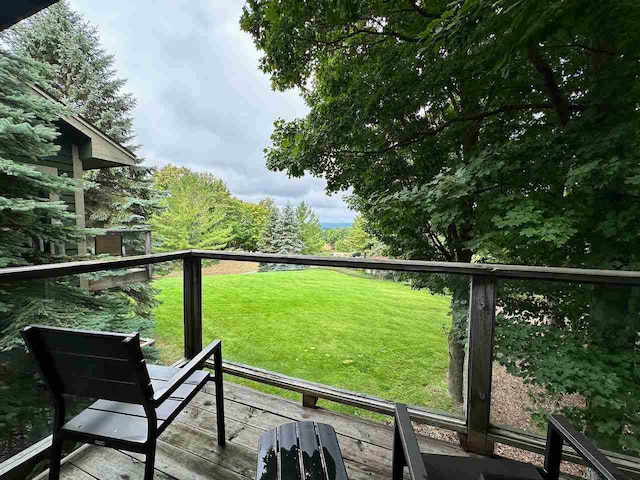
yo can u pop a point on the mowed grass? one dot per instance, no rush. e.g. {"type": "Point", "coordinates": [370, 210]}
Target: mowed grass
{"type": "Point", "coordinates": [363, 334]}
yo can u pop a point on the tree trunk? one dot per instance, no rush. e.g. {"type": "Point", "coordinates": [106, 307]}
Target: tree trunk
{"type": "Point", "coordinates": [456, 365]}
{"type": "Point", "coordinates": [458, 332]}
{"type": "Point", "coordinates": [458, 237]}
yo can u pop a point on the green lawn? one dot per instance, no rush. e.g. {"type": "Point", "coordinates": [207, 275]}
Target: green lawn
{"type": "Point", "coordinates": [368, 335]}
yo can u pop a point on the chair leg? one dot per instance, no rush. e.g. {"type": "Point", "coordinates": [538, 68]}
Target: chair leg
{"type": "Point", "coordinates": [150, 461]}
{"type": "Point", "coordinates": [553, 453]}
{"type": "Point", "coordinates": [55, 458]}
{"type": "Point", "coordinates": [217, 371]}
{"type": "Point", "coordinates": [397, 460]}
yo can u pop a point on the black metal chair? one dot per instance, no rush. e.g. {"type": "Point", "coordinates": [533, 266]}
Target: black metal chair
{"type": "Point", "coordinates": [136, 402]}
{"type": "Point", "coordinates": [423, 466]}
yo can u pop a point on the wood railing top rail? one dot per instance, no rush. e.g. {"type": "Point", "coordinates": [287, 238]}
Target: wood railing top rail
{"type": "Point", "coordinates": [50, 270]}
{"type": "Point", "coordinates": [523, 272]}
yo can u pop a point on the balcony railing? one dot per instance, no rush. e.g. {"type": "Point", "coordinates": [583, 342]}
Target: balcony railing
{"type": "Point", "coordinates": [475, 429]}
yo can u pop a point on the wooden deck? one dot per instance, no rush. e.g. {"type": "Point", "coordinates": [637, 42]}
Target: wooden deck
{"type": "Point", "coordinates": [187, 450]}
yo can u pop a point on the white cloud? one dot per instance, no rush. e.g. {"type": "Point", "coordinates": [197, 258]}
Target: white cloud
{"type": "Point", "coordinates": [202, 102]}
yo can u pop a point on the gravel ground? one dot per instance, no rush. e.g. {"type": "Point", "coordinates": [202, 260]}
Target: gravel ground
{"type": "Point", "coordinates": [511, 405]}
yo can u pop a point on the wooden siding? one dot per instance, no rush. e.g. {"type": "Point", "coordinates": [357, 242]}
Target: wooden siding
{"type": "Point", "coordinates": [63, 162]}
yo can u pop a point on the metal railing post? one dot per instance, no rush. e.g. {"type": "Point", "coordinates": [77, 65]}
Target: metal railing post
{"type": "Point", "coordinates": [482, 320]}
{"type": "Point", "coordinates": [192, 303]}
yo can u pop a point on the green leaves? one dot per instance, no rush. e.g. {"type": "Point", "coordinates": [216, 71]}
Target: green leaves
{"type": "Point", "coordinates": [310, 229]}
{"type": "Point", "coordinates": [499, 130]}
{"type": "Point", "coordinates": [195, 213]}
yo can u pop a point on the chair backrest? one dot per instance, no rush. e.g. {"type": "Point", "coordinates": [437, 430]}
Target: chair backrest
{"type": "Point", "coordinates": [90, 364]}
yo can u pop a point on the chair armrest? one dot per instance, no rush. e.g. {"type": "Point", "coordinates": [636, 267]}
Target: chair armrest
{"type": "Point", "coordinates": [404, 430]}
{"type": "Point", "coordinates": [196, 363]}
{"type": "Point", "coordinates": [561, 430]}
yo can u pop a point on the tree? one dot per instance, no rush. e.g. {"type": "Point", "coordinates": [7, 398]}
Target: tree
{"type": "Point", "coordinates": [288, 234]}
{"type": "Point", "coordinates": [84, 77]}
{"type": "Point", "coordinates": [460, 144]}
{"type": "Point", "coordinates": [195, 212]}
{"type": "Point", "coordinates": [357, 239]}
{"type": "Point", "coordinates": [310, 229]}
{"type": "Point", "coordinates": [33, 230]}
{"type": "Point", "coordinates": [281, 235]}
{"type": "Point", "coordinates": [333, 235]}
{"type": "Point", "coordinates": [269, 240]}
{"type": "Point", "coordinates": [249, 222]}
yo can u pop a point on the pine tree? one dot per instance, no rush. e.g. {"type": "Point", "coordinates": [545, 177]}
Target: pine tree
{"type": "Point", "coordinates": [268, 242]}
{"type": "Point", "coordinates": [288, 233]}
{"type": "Point", "coordinates": [282, 236]}
{"type": "Point", "coordinates": [32, 229]}
{"type": "Point", "coordinates": [310, 229]}
{"type": "Point", "coordinates": [84, 77]}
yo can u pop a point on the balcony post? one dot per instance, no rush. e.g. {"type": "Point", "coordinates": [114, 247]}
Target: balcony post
{"type": "Point", "coordinates": [482, 320]}
{"type": "Point", "coordinates": [192, 303]}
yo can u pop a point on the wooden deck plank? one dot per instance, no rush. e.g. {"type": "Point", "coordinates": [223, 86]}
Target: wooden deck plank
{"type": "Point", "coordinates": [108, 464]}
{"type": "Point", "coordinates": [360, 456]}
{"type": "Point", "coordinates": [251, 426]}
{"type": "Point", "coordinates": [69, 472]}
{"type": "Point", "coordinates": [203, 443]}
{"type": "Point", "coordinates": [188, 449]}
{"type": "Point", "coordinates": [360, 429]}
{"type": "Point", "coordinates": [183, 465]}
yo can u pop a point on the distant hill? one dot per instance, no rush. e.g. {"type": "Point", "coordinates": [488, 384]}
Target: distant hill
{"type": "Point", "coordinates": [328, 225]}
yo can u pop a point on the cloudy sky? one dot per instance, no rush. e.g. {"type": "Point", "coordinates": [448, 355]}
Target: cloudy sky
{"type": "Point", "coordinates": [202, 102]}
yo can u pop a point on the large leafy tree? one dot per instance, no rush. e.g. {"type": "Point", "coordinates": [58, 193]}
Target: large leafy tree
{"type": "Point", "coordinates": [249, 222]}
{"type": "Point", "coordinates": [485, 130]}
{"type": "Point", "coordinates": [357, 240]}
{"type": "Point", "coordinates": [196, 211]}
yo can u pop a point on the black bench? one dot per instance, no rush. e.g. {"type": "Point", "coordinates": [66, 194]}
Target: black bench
{"type": "Point", "coordinates": [300, 451]}
{"type": "Point", "coordinates": [136, 402]}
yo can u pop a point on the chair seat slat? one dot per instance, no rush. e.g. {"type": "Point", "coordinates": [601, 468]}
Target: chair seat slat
{"type": "Point", "coordinates": [268, 457]}
{"type": "Point", "coordinates": [288, 446]}
{"type": "Point", "coordinates": [300, 451]}
{"type": "Point", "coordinates": [310, 452]}
{"type": "Point", "coordinates": [334, 464]}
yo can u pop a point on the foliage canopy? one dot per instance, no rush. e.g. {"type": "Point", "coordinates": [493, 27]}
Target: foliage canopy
{"type": "Point", "coordinates": [482, 130]}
